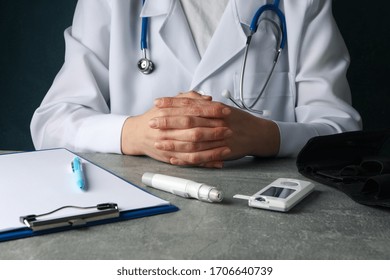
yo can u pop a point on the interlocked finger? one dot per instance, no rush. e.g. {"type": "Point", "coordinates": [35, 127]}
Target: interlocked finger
{"type": "Point", "coordinates": [184, 122]}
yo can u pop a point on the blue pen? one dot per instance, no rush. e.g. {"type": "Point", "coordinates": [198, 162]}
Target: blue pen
{"type": "Point", "coordinates": [77, 168]}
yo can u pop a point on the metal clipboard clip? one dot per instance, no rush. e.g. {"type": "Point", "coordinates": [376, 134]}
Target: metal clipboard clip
{"type": "Point", "coordinates": [103, 211]}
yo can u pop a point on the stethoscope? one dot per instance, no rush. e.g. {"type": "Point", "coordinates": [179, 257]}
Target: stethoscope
{"type": "Point", "coordinates": [281, 42]}
{"type": "Point", "coordinates": [146, 66]}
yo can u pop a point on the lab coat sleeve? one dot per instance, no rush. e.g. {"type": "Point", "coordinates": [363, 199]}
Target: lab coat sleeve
{"type": "Point", "coordinates": [323, 98]}
{"type": "Point", "coordinates": [75, 113]}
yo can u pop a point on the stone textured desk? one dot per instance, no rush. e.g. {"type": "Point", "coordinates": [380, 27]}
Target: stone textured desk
{"type": "Point", "coordinates": [326, 225]}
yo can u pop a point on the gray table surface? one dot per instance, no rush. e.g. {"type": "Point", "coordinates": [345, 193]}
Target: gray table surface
{"type": "Point", "coordinates": [326, 225]}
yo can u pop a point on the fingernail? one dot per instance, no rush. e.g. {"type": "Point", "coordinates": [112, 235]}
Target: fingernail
{"type": "Point", "coordinates": [153, 123]}
{"type": "Point", "coordinates": [226, 111]}
{"type": "Point", "coordinates": [158, 145]}
{"type": "Point", "coordinates": [226, 152]}
{"type": "Point", "coordinates": [228, 133]}
{"type": "Point", "coordinates": [157, 102]}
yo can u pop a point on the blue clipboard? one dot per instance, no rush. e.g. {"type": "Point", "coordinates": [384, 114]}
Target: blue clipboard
{"type": "Point", "coordinates": [123, 216]}
{"type": "Point", "coordinates": [56, 192]}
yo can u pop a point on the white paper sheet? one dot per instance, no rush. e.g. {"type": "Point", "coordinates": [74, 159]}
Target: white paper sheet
{"type": "Point", "coordinates": [42, 181]}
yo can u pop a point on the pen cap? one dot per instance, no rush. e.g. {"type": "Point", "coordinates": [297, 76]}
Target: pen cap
{"type": "Point", "coordinates": [209, 193]}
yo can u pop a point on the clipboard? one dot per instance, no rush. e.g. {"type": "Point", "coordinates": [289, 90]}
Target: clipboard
{"type": "Point", "coordinates": [38, 195]}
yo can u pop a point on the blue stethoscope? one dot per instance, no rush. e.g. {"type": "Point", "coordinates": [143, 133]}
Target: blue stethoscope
{"type": "Point", "coordinates": [146, 66]}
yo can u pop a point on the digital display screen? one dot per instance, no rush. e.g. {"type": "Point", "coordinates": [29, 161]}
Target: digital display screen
{"type": "Point", "coordinates": [278, 192]}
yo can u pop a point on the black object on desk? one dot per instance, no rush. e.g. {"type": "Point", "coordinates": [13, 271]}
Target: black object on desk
{"type": "Point", "coordinates": [353, 162]}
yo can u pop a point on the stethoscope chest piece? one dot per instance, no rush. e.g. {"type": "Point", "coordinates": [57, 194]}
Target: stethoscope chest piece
{"type": "Point", "coordinates": [145, 65]}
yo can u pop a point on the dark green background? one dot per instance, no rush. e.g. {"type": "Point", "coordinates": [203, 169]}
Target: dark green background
{"type": "Point", "coordinates": [32, 52]}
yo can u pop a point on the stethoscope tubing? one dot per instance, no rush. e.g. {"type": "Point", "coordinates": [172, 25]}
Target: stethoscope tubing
{"type": "Point", "coordinates": [146, 66]}
{"type": "Point", "coordinates": [144, 33]}
{"type": "Point", "coordinates": [282, 35]}
{"type": "Point", "coordinates": [274, 8]}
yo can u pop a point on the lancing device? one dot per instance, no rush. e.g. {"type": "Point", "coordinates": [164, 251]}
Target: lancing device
{"type": "Point", "coordinates": [182, 187]}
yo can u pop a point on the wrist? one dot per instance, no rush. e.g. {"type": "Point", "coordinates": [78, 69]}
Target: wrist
{"type": "Point", "coordinates": [267, 137]}
{"type": "Point", "coordinates": [130, 134]}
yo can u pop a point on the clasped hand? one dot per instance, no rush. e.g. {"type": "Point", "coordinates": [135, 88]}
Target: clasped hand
{"type": "Point", "coordinates": [191, 129]}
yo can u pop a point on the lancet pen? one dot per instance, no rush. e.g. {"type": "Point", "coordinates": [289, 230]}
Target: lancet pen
{"type": "Point", "coordinates": [183, 187]}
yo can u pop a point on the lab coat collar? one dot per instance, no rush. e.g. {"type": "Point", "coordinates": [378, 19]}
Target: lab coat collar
{"type": "Point", "coordinates": [229, 39]}
{"type": "Point", "coordinates": [174, 31]}
{"type": "Point", "coordinates": [153, 8]}
{"type": "Point", "coordinates": [227, 42]}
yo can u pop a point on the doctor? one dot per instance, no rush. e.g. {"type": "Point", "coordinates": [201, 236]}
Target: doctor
{"type": "Point", "coordinates": [101, 102]}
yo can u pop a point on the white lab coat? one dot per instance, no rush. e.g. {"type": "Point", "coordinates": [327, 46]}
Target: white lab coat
{"type": "Point", "coordinates": [99, 85]}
